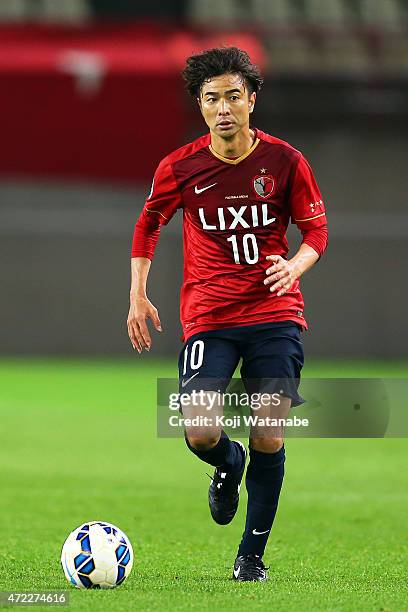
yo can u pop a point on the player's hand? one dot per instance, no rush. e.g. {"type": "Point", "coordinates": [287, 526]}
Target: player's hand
{"type": "Point", "coordinates": [281, 275]}
{"type": "Point", "coordinates": [140, 310]}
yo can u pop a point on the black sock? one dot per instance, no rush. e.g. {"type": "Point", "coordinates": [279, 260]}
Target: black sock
{"type": "Point", "coordinates": [263, 482]}
{"type": "Point", "coordinates": [226, 454]}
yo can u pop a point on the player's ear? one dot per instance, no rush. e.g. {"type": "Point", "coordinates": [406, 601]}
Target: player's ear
{"type": "Point", "coordinates": [252, 100]}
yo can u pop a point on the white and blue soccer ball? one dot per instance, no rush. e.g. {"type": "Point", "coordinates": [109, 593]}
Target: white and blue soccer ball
{"type": "Point", "coordinates": [97, 555]}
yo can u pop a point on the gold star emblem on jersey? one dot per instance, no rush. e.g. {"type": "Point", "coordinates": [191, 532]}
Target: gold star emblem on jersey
{"type": "Point", "coordinates": [263, 170]}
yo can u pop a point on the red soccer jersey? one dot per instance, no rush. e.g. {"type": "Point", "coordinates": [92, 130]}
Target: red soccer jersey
{"type": "Point", "coordinates": [235, 213]}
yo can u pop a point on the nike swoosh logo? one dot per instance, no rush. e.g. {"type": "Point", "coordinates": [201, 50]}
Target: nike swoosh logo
{"type": "Point", "coordinates": [255, 532]}
{"type": "Point", "coordinates": [197, 190]}
{"type": "Point", "coordinates": [236, 572]}
{"type": "Point", "coordinates": [185, 382]}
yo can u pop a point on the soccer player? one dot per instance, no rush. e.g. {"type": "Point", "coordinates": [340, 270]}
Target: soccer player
{"type": "Point", "coordinates": [238, 188]}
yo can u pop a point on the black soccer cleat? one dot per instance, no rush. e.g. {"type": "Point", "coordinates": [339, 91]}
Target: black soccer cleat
{"type": "Point", "coordinates": [249, 568]}
{"type": "Point", "coordinates": [223, 494]}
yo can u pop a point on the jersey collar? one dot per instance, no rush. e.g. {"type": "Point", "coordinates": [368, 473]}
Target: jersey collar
{"type": "Point", "coordinates": [237, 160]}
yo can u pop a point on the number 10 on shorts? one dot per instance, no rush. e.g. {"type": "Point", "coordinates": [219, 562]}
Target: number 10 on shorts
{"type": "Point", "coordinates": [194, 355]}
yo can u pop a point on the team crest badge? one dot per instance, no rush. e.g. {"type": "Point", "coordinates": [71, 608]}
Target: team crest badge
{"type": "Point", "coordinates": [264, 185]}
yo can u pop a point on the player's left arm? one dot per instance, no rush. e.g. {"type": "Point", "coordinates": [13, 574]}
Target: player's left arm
{"type": "Point", "coordinates": [308, 212]}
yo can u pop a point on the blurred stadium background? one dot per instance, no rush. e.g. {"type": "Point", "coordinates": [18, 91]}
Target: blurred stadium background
{"type": "Point", "coordinates": [92, 98]}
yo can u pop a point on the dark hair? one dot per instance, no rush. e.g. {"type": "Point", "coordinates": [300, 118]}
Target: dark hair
{"type": "Point", "coordinates": [215, 62]}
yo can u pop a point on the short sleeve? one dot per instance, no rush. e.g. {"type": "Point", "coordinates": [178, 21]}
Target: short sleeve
{"type": "Point", "coordinates": [306, 203]}
{"type": "Point", "coordinates": [163, 201]}
{"type": "Point", "coordinates": [164, 197]}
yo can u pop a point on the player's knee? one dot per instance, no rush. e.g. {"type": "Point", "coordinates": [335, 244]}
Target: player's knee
{"type": "Point", "coordinates": [202, 441]}
{"type": "Point", "coordinates": [267, 445]}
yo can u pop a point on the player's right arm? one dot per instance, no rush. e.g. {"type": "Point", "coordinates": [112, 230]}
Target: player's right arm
{"type": "Point", "coordinates": [160, 206]}
{"type": "Point", "coordinates": [141, 307]}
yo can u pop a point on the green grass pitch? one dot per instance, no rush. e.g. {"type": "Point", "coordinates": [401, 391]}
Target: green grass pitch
{"type": "Point", "coordinates": [79, 443]}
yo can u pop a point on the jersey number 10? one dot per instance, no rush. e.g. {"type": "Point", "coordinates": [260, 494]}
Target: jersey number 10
{"type": "Point", "coordinates": [250, 248]}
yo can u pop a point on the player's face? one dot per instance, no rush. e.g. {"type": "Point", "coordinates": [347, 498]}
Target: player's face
{"type": "Point", "coordinates": [226, 104]}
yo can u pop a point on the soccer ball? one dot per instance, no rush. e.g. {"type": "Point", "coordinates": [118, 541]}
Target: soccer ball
{"type": "Point", "coordinates": [96, 555]}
